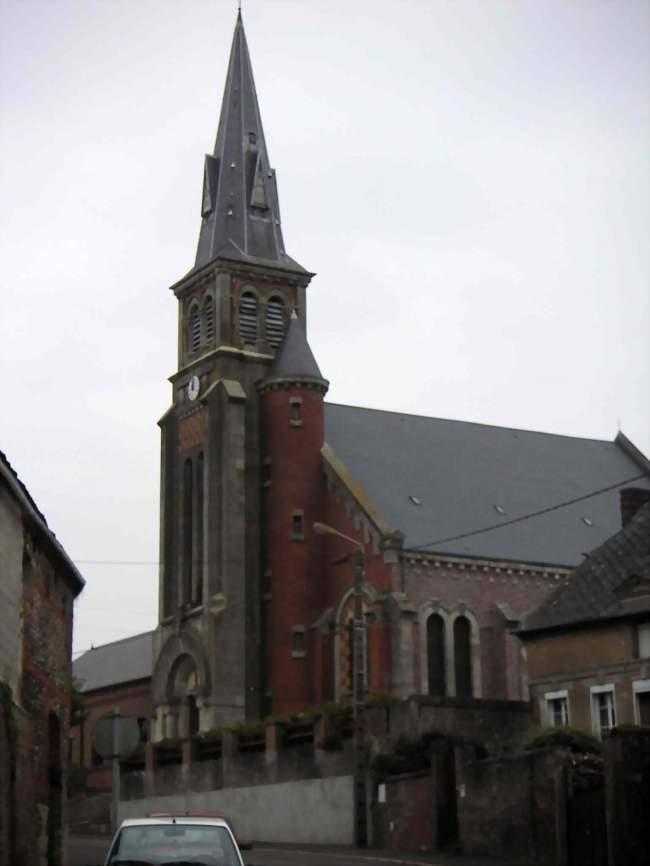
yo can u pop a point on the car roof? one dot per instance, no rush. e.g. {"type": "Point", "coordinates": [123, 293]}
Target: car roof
{"type": "Point", "coordinates": [175, 819]}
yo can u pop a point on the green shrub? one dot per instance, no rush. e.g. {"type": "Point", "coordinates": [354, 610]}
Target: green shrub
{"type": "Point", "coordinates": [411, 754]}
{"type": "Point", "coordinates": [575, 741]}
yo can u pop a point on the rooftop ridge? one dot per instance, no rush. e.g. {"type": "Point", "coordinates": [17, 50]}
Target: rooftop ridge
{"type": "Point", "coordinates": [477, 424]}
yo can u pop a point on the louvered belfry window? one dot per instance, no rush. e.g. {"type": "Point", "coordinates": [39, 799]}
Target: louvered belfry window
{"type": "Point", "coordinates": [275, 322]}
{"type": "Point", "coordinates": [194, 330]}
{"type": "Point", "coordinates": [248, 318]}
{"type": "Point", "coordinates": [208, 319]}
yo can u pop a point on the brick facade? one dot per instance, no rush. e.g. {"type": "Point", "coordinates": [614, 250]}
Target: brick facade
{"type": "Point", "coordinates": [36, 662]}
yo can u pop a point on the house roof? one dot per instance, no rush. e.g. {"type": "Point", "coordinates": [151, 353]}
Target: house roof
{"type": "Point", "coordinates": [122, 661]}
{"type": "Point", "coordinates": [36, 520]}
{"type": "Point", "coordinates": [603, 585]}
{"type": "Point", "coordinates": [435, 479]}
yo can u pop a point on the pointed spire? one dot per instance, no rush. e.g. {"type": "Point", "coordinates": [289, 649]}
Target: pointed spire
{"type": "Point", "coordinates": [294, 360]}
{"type": "Point", "coordinates": [240, 209]}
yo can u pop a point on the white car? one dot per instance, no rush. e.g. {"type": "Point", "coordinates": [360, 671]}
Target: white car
{"type": "Point", "coordinates": [184, 839]}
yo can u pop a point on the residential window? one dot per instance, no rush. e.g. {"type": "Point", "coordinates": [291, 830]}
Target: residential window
{"type": "Point", "coordinates": [557, 708]}
{"type": "Point", "coordinates": [641, 691]}
{"type": "Point", "coordinates": [643, 639]}
{"type": "Point", "coordinates": [603, 709]}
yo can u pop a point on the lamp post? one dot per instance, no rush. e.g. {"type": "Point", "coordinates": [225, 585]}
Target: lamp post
{"type": "Point", "coordinates": [358, 685]}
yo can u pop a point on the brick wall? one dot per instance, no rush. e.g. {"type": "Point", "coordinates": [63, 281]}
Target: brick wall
{"type": "Point", "coordinates": [293, 564]}
{"type": "Point", "coordinates": [492, 593]}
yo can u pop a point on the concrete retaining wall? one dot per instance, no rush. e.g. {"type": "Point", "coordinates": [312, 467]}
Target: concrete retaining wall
{"type": "Point", "coordinates": [317, 811]}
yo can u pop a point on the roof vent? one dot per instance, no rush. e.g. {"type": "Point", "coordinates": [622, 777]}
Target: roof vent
{"type": "Point", "coordinates": [415, 500]}
{"type": "Point", "coordinates": [587, 521]}
{"type": "Point", "coordinates": [499, 509]}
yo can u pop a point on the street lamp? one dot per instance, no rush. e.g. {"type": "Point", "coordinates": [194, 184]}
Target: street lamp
{"type": "Point", "coordinates": [358, 684]}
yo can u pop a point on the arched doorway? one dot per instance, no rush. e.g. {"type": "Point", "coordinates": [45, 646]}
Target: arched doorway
{"type": "Point", "coordinates": [182, 690]}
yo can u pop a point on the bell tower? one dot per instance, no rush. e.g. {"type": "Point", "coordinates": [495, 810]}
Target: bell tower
{"type": "Point", "coordinates": [233, 310]}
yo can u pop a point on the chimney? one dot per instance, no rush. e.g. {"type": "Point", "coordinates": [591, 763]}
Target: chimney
{"type": "Point", "coordinates": [632, 500]}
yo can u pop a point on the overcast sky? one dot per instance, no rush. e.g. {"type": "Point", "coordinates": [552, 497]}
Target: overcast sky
{"type": "Point", "coordinates": [468, 178]}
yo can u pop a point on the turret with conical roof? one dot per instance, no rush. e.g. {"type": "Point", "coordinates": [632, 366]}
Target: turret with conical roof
{"type": "Point", "coordinates": [294, 361]}
{"type": "Point", "coordinates": [293, 435]}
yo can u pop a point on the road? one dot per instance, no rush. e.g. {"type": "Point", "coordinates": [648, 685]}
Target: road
{"type": "Point", "coordinates": [92, 851]}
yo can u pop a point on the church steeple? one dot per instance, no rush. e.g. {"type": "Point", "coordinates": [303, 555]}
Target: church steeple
{"type": "Point", "coordinates": [240, 209]}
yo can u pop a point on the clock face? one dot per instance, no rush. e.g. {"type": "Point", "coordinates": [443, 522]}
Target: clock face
{"type": "Point", "coordinates": [193, 388]}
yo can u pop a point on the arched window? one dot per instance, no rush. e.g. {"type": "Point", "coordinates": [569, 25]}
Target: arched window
{"type": "Point", "coordinates": [248, 318]}
{"type": "Point", "coordinates": [188, 530]}
{"type": "Point", "coordinates": [192, 716]}
{"type": "Point", "coordinates": [194, 329]}
{"type": "Point", "coordinates": [198, 581]}
{"type": "Point", "coordinates": [345, 649]}
{"type": "Point", "coordinates": [463, 657]}
{"type": "Point", "coordinates": [275, 322]}
{"type": "Point", "coordinates": [436, 654]}
{"type": "Point", "coordinates": [208, 320]}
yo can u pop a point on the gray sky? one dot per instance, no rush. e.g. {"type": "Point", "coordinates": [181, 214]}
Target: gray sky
{"type": "Point", "coordinates": [468, 178]}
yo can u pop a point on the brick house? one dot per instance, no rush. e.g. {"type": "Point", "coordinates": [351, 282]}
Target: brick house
{"type": "Point", "coordinates": [117, 674]}
{"type": "Point", "coordinates": [38, 587]}
{"type": "Point", "coordinates": [588, 645]}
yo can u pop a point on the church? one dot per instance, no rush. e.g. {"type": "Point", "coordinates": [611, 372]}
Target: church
{"type": "Point", "coordinates": [465, 527]}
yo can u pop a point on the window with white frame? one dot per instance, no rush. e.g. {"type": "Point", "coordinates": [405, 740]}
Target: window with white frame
{"type": "Point", "coordinates": [603, 709]}
{"type": "Point", "coordinates": [641, 691]}
{"type": "Point", "coordinates": [557, 708]}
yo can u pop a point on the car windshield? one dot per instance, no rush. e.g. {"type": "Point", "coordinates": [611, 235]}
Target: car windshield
{"type": "Point", "coordinates": [166, 844]}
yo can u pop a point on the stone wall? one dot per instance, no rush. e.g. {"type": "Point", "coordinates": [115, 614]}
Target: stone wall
{"type": "Point", "coordinates": [497, 725]}
{"type": "Point", "coordinates": [316, 811]}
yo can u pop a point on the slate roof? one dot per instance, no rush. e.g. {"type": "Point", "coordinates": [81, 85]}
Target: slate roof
{"type": "Point", "coordinates": [240, 208]}
{"type": "Point", "coordinates": [593, 591]}
{"type": "Point", "coordinates": [295, 359]}
{"type": "Point", "coordinates": [122, 661]}
{"type": "Point", "coordinates": [462, 472]}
